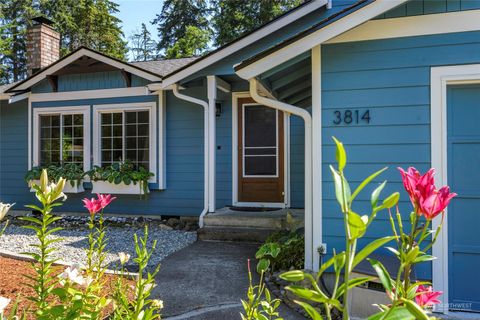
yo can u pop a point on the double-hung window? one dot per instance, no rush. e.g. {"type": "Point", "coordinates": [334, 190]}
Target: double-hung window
{"type": "Point", "coordinates": [61, 136]}
{"type": "Point", "coordinates": [126, 132]}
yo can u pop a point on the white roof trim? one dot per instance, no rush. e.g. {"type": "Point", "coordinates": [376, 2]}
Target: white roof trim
{"type": "Point", "coordinates": [328, 32]}
{"type": "Point", "coordinates": [85, 52]}
{"type": "Point", "coordinates": [251, 38]}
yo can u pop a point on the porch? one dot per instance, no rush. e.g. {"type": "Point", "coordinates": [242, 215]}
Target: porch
{"type": "Point", "coordinates": [248, 224]}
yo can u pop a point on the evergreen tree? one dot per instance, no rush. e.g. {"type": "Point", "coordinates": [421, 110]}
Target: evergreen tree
{"type": "Point", "coordinates": [180, 19]}
{"type": "Point", "coordinates": [233, 18]}
{"type": "Point", "coordinates": [143, 47]}
{"type": "Point", "coordinates": [193, 43]}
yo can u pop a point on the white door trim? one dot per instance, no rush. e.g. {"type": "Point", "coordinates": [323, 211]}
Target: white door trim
{"type": "Point", "coordinates": [440, 78]}
{"type": "Point", "coordinates": [235, 202]}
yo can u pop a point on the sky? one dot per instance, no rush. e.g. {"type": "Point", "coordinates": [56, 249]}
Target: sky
{"type": "Point", "coordinates": [134, 12]}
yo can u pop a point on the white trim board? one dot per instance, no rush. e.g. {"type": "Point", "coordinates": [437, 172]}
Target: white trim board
{"type": "Point", "coordinates": [286, 141]}
{"type": "Point", "coordinates": [249, 39]}
{"type": "Point", "coordinates": [76, 55]}
{"type": "Point", "coordinates": [441, 77]}
{"type": "Point", "coordinates": [151, 107]}
{"type": "Point", "coordinates": [320, 36]}
{"type": "Point", "coordinates": [37, 112]}
{"type": "Point", "coordinates": [439, 23]}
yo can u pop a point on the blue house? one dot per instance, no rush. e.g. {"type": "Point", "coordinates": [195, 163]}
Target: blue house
{"type": "Point", "coordinates": [250, 123]}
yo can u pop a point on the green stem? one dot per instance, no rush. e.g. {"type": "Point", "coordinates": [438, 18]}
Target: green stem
{"type": "Point", "coordinates": [407, 270]}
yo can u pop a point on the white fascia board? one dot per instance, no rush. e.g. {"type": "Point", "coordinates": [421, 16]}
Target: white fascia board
{"type": "Point", "coordinates": [251, 38]}
{"type": "Point", "coordinates": [85, 52]}
{"type": "Point", "coordinates": [18, 97]}
{"type": "Point", "coordinates": [438, 23]}
{"type": "Point", "coordinates": [320, 36]}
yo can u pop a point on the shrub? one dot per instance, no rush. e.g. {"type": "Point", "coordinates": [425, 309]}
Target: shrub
{"type": "Point", "coordinates": [284, 249]}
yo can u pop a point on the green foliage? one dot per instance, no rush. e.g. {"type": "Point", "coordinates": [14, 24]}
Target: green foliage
{"type": "Point", "coordinates": [142, 308]}
{"type": "Point", "coordinates": [193, 43]}
{"type": "Point", "coordinates": [284, 250]}
{"type": "Point", "coordinates": [233, 18]}
{"type": "Point", "coordinates": [181, 20]}
{"type": "Point", "coordinates": [142, 46]}
{"type": "Point", "coordinates": [259, 304]}
{"type": "Point", "coordinates": [121, 172]}
{"type": "Point", "coordinates": [356, 225]}
{"type": "Point", "coordinates": [71, 172]}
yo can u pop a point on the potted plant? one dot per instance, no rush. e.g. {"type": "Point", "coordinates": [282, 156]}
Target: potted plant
{"type": "Point", "coordinates": [120, 178]}
{"type": "Point", "coordinates": [71, 172]}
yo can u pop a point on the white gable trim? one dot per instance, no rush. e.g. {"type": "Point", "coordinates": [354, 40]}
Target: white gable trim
{"type": "Point", "coordinates": [89, 94]}
{"type": "Point", "coordinates": [251, 38]}
{"type": "Point", "coordinates": [320, 36]}
{"type": "Point", "coordinates": [94, 55]}
{"type": "Point", "coordinates": [413, 26]}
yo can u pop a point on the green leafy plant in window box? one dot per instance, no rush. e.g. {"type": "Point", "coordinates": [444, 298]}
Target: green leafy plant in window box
{"type": "Point", "coordinates": [121, 178]}
{"type": "Point", "coordinates": [71, 172]}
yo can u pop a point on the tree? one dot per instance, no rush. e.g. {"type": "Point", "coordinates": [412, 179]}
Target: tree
{"type": "Point", "coordinates": [193, 43]}
{"type": "Point", "coordinates": [181, 19]}
{"type": "Point", "coordinates": [233, 18]}
{"type": "Point", "coordinates": [143, 47]}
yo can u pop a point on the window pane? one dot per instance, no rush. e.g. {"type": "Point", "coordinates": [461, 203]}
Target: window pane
{"type": "Point", "coordinates": [260, 166]}
{"type": "Point", "coordinates": [137, 137]}
{"type": "Point", "coordinates": [106, 118]}
{"type": "Point", "coordinates": [49, 139]}
{"type": "Point", "coordinates": [72, 144]}
{"type": "Point", "coordinates": [111, 138]}
{"type": "Point", "coordinates": [260, 125]}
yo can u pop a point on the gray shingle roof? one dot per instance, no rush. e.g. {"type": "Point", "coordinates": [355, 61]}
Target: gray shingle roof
{"type": "Point", "coordinates": [163, 67]}
{"type": "Point", "coordinates": [4, 87]}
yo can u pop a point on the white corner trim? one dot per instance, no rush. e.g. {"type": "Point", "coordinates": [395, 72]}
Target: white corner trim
{"type": "Point", "coordinates": [29, 132]}
{"type": "Point", "coordinates": [249, 39]}
{"type": "Point", "coordinates": [441, 77]}
{"type": "Point", "coordinates": [89, 94]}
{"type": "Point", "coordinates": [37, 112]}
{"type": "Point", "coordinates": [438, 23]}
{"type": "Point", "coordinates": [212, 144]}
{"type": "Point", "coordinates": [120, 107]}
{"type": "Point", "coordinates": [318, 37]}
{"type": "Point", "coordinates": [85, 52]}
{"type": "Point", "coordinates": [162, 139]}
{"type": "Point", "coordinates": [317, 200]}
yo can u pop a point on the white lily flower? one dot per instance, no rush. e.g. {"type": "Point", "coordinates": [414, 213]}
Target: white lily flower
{"type": "Point", "coordinates": [4, 207]}
{"type": "Point", "coordinates": [3, 304]}
{"type": "Point", "coordinates": [124, 257]}
{"type": "Point", "coordinates": [157, 303]}
{"type": "Point", "coordinates": [73, 274]}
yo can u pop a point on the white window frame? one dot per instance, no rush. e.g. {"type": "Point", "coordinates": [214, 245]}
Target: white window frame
{"type": "Point", "coordinates": [277, 147]}
{"type": "Point", "coordinates": [441, 78]}
{"type": "Point", "coordinates": [151, 107]}
{"type": "Point", "coordinates": [65, 110]}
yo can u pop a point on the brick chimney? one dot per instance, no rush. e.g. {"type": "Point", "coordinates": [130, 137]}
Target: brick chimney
{"type": "Point", "coordinates": [43, 45]}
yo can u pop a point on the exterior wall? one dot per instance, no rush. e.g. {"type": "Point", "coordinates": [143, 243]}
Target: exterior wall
{"type": "Point", "coordinates": [184, 161]}
{"type": "Point", "coordinates": [13, 153]}
{"type": "Point", "coordinates": [391, 79]}
{"type": "Point", "coordinates": [224, 152]}
{"type": "Point", "coordinates": [419, 7]}
{"type": "Point", "coordinates": [89, 81]}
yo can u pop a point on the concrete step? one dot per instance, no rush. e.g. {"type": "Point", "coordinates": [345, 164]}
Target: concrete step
{"type": "Point", "coordinates": [241, 234]}
{"type": "Point", "coordinates": [245, 220]}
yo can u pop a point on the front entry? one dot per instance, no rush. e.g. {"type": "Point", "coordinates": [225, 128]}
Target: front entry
{"type": "Point", "coordinates": [260, 153]}
{"type": "Point", "coordinates": [463, 116]}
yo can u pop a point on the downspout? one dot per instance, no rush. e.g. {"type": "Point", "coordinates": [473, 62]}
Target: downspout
{"type": "Point", "coordinates": [307, 118]}
{"type": "Point", "coordinates": [204, 105]}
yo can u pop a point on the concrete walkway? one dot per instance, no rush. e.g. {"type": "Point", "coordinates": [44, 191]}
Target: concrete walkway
{"type": "Point", "coordinates": [207, 280]}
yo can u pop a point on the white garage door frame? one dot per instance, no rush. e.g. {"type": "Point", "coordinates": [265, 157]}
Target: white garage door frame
{"type": "Point", "coordinates": [441, 78]}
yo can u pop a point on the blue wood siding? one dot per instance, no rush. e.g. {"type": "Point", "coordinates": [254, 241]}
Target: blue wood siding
{"type": "Point", "coordinates": [421, 7]}
{"type": "Point", "coordinates": [184, 159]}
{"type": "Point", "coordinates": [391, 78]}
{"type": "Point", "coordinates": [13, 152]}
{"type": "Point", "coordinates": [224, 152]}
{"type": "Point", "coordinates": [89, 81]}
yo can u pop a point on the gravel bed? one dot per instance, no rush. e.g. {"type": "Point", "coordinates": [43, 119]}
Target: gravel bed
{"type": "Point", "coordinates": [119, 239]}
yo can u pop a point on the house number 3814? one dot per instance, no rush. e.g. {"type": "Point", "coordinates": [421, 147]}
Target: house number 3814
{"type": "Point", "coordinates": [351, 116]}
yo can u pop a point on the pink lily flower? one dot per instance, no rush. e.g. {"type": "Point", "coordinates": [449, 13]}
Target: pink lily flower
{"type": "Point", "coordinates": [436, 202]}
{"type": "Point", "coordinates": [105, 199]}
{"type": "Point", "coordinates": [426, 297]}
{"type": "Point", "coordinates": [93, 205]}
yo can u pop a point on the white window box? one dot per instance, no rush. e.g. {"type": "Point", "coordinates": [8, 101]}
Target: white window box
{"type": "Point", "coordinates": [77, 187]}
{"type": "Point", "coordinates": [121, 188]}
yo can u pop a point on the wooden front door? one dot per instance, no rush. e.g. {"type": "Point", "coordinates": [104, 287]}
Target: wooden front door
{"type": "Point", "coordinates": [260, 153]}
